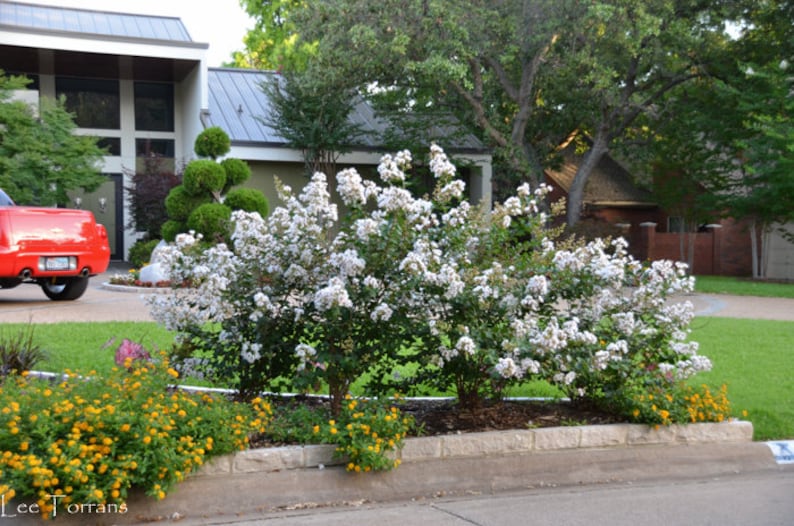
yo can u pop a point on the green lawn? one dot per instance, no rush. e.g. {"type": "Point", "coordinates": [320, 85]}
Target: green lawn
{"type": "Point", "coordinates": [743, 287]}
{"type": "Point", "coordinates": [753, 357]}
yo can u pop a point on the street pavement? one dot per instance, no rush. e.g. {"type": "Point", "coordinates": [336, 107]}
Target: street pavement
{"type": "Point", "coordinates": [741, 500]}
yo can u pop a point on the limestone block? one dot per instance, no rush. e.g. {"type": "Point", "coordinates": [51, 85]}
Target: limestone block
{"type": "Point", "coordinates": [421, 448]}
{"type": "Point", "coordinates": [605, 435]}
{"type": "Point", "coordinates": [557, 438]}
{"type": "Point", "coordinates": [483, 444]}
{"type": "Point", "coordinates": [643, 435]}
{"type": "Point", "coordinates": [268, 459]}
{"type": "Point", "coordinates": [736, 431]}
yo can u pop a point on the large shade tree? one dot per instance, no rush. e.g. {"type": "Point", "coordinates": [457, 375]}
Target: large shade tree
{"type": "Point", "coordinates": [523, 74]}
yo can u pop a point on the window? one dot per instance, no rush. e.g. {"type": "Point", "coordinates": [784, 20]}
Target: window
{"type": "Point", "coordinates": [154, 106]}
{"type": "Point", "coordinates": [111, 144]}
{"type": "Point", "coordinates": [94, 102]}
{"type": "Point", "coordinates": [160, 147]}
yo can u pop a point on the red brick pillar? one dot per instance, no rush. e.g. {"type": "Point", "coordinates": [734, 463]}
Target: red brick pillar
{"type": "Point", "coordinates": [716, 248]}
{"type": "Point", "coordinates": [648, 240]}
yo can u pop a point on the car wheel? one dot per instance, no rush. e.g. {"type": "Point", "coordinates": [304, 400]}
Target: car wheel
{"type": "Point", "coordinates": [64, 289]}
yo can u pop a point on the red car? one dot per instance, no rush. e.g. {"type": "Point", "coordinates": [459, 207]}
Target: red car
{"type": "Point", "coordinates": [56, 248]}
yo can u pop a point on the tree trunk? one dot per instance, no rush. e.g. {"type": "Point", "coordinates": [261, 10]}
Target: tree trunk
{"type": "Point", "coordinates": [590, 161]}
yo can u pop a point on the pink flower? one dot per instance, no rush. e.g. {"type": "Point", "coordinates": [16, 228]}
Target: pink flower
{"type": "Point", "coordinates": [132, 350]}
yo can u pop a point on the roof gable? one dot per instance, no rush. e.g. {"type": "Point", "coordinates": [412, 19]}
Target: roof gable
{"type": "Point", "coordinates": [609, 183]}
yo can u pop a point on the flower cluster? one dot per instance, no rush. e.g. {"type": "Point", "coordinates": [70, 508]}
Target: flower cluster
{"type": "Point", "coordinates": [466, 298]}
{"type": "Point", "coordinates": [89, 440]}
{"type": "Point", "coordinates": [678, 403]}
{"type": "Point", "coordinates": [365, 433]}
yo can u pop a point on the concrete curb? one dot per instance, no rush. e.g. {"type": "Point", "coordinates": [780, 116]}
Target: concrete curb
{"type": "Point", "coordinates": [259, 480]}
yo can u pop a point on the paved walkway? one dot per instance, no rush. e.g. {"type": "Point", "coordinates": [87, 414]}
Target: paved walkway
{"type": "Point", "coordinates": [27, 303]}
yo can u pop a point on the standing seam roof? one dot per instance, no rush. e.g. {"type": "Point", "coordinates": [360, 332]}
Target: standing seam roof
{"type": "Point", "coordinates": [82, 21]}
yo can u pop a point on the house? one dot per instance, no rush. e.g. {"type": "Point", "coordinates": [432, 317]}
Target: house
{"type": "Point", "coordinates": [142, 85]}
{"type": "Point", "coordinates": [615, 205]}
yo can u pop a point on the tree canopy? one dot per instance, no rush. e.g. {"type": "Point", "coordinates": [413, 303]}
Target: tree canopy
{"type": "Point", "coordinates": [41, 158]}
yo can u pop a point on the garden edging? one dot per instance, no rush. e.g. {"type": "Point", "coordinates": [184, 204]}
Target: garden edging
{"type": "Point", "coordinates": [253, 482]}
{"type": "Point", "coordinates": [474, 445]}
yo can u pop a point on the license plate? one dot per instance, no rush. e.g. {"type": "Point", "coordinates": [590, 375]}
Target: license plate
{"type": "Point", "coordinates": [57, 263]}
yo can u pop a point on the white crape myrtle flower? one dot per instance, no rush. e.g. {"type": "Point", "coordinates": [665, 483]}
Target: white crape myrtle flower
{"type": "Point", "coordinates": [353, 190]}
{"type": "Point", "coordinates": [392, 199]}
{"type": "Point", "coordinates": [333, 295]}
{"type": "Point", "coordinates": [439, 163]}
{"type": "Point", "coordinates": [457, 216]}
{"type": "Point", "coordinates": [366, 228]}
{"type": "Point", "coordinates": [507, 368]}
{"type": "Point", "coordinates": [452, 190]}
{"type": "Point", "coordinates": [390, 170]}
{"type": "Point", "coordinates": [382, 312]}
{"type": "Point", "coordinates": [305, 354]}
{"type": "Point", "coordinates": [251, 352]}
{"type": "Point", "coordinates": [348, 263]}
{"type": "Point", "coordinates": [466, 346]}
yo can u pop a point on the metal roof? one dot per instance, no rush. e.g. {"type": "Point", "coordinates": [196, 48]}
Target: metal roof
{"type": "Point", "coordinates": [89, 22]}
{"type": "Point", "coordinates": [238, 105]}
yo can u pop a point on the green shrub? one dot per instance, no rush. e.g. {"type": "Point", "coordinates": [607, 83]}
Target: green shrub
{"type": "Point", "coordinates": [180, 203]}
{"type": "Point", "coordinates": [212, 142]}
{"type": "Point", "coordinates": [211, 220]}
{"type": "Point", "coordinates": [141, 252]}
{"type": "Point", "coordinates": [202, 177]}
{"type": "Point", "coordinates": [171, 228]}
{"type": "Point", "coordinates": [237, 172]}
{"type": "Point", "coordinates": [18, 352]}
{"type": "Point", "coordinates": [247, 199]}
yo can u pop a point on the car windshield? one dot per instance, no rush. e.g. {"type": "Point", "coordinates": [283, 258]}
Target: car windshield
{"type": "Point", "coordinates": [4, 199]}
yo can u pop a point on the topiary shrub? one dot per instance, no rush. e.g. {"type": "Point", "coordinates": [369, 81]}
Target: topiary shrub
{"type": "Point", "coordinates": [141, 252]}
{"type": "Point", "coordinates": [211, 220]}
{"type": "Point", "coordinates": [247, 199]}
{"type": "Point", "coordinates": [203, 176]}
{"type": "Point", "coordinates": [171, 228]}
{"type": "Point", "coordinates": [237, 172]}
{"type": "Point", "coordinates": [179, 203]}
{"type": "Point", "coordinates": [212, 142]}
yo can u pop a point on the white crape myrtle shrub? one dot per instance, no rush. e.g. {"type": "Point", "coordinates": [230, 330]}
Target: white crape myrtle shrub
{"type": "Point", "coordinates": [486, 296]}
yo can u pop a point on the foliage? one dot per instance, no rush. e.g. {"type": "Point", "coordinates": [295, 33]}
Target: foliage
{"type": "Point", "coordinates": [212, 142]}
{"type": "Point", "coordinates": [203, 177]}
{"type": "Point", "coordinates": [522, 76]}
{"type": "Point", "coordinates": [248, 200]}
{"type": "Point", "coordinates": [423, 284]}
{"type": "Point", "coordinates": [313, 117]}
{"type": "Point", "coordinates": [365, 432]}
{"type": "Point", "coordinates": [141, 252]}
{"type": "Point", "coordinates": [212, 220]}
{"type": "Point", "coordinates": [237, 172]}
{"type": "Point", "coordinates": [19, 352]}
{"type": "Point", "coordinates": [89, 440]}
{"type": "Point", "coordinates": [146, 195]}
{"type": "Point", "coordinates": [199, 203]}
{"type": "Point", "coordinates": [41, 158]}
{"type": "Point", "coordinates": [272, 43]}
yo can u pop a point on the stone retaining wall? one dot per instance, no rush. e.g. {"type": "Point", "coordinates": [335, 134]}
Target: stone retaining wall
{"type": "Point", "coordinates": [488, 444]}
